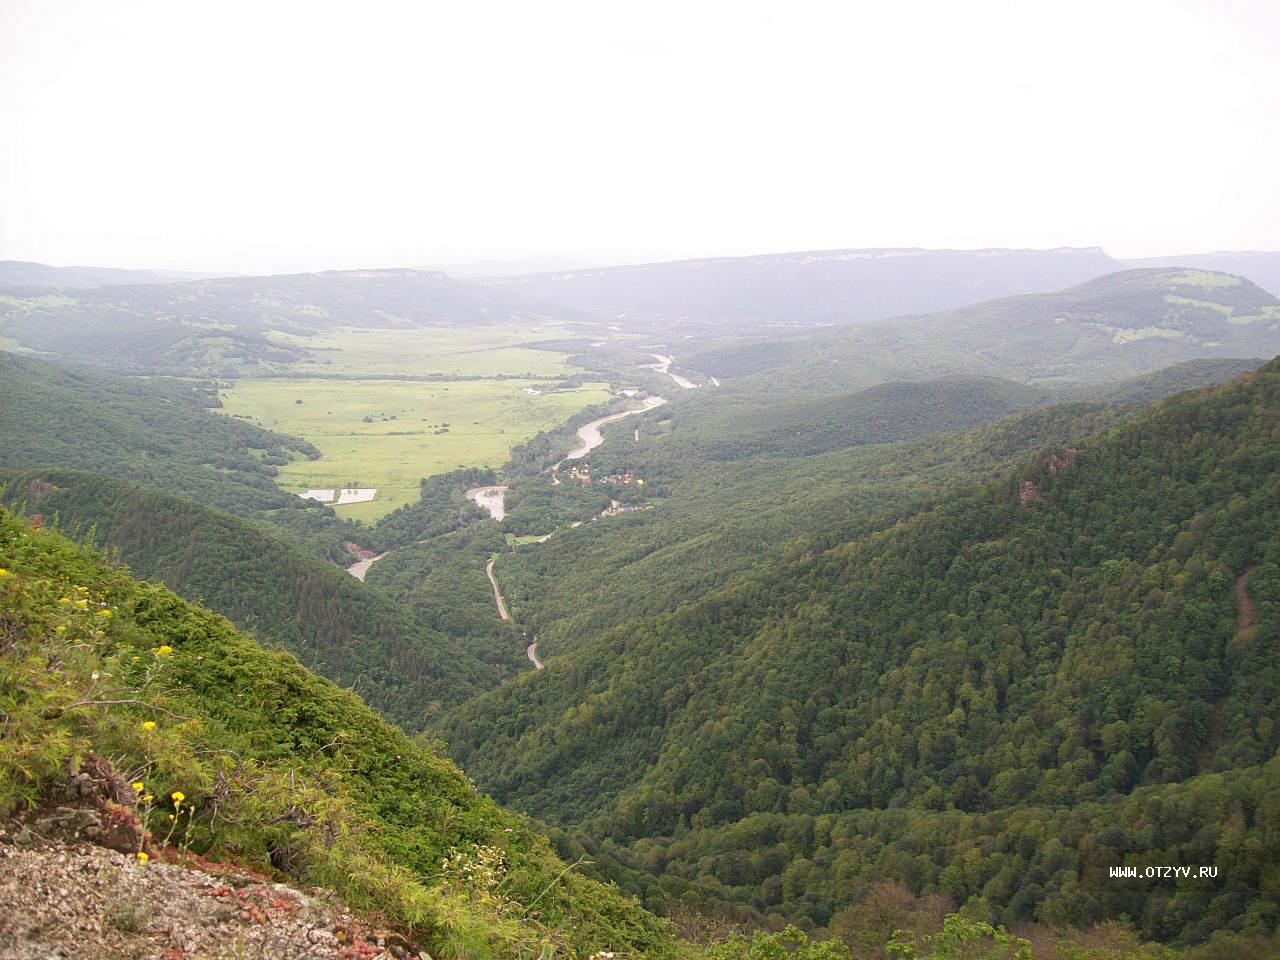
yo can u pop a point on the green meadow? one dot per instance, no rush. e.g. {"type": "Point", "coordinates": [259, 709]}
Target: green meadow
{"type": "Point", "coordinates": [426, 351]}
{"type": "Point", "coordinates": [375, 426]}
{"type": "Point", "coordinates": [389, 434]}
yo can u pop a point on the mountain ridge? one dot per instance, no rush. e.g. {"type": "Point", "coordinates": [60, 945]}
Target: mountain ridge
{"type": "Point", "coordinates": [1119, 325]}
{"type": "Point", "coordinates": [806, 288]}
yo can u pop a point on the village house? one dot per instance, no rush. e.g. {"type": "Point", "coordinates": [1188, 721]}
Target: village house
{"type": "Point", "coordinates": [626, 478]}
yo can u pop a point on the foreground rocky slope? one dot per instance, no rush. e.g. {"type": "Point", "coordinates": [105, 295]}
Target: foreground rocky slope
{"type": "Point", "coordinates": [56, 898]}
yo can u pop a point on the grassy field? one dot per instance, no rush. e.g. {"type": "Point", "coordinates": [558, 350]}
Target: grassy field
{"type": "Point", "coordinates": [414, 428]}
{"type": "Point", "coordinates": [389, 433]}
{"type": "Point", "coordinates": [478, 351]}
{"type": "Point", "coordinates": [1202, 278]}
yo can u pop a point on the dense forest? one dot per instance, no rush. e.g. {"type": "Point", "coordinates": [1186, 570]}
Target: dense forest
{"type": "Point", "coordinates": [712, 519]}
{"type": "Point", "coordinates": [161, 433]}
{"type": "Point", "coordinates": [1084, 644]}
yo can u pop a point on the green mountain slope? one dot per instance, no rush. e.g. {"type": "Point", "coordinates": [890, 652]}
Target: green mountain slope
{"type": "Point", "coordinates": [730, 484]}
{"type": "Point", "coordinates": [160, 433]}
{"type": "Point", "coordinates": [1084, 649]}
{"type": "Point", "coordinates": [733, 428]}
{"type": "Point", "coordinates": [713, 520]}
{"type": "Point", "coordinates": [1121, 325]}
{"type": "Point", "coordinates": [332, 622]}
{"type": "Point", "coordinates": [1164, 382]}
{"type": "Point", "coordinates": [260, 761]}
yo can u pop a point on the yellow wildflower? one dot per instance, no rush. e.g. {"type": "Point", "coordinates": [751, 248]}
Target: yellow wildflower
{"type": "Point", "coordinates": [163, 650]}
{"type": "Point", "coordinates": [148, 798]}
{"type": "Point", "coordinates": [65, 600]}
{"type": "Point", "coordinates": [148, 724]}
{"type": "Point", "coordinates": [82, 603]}
{"type": "Point", "coordinates": [143, 858]}
{"type": "Point", "coordinates": [178, 796]}
{"type": "Point", "coordinates": [60, 628]}
{"type": "Point", "coordinates": [3, 572]}
{"type": "Point", "coordinates": [138, 786]}
{"type": "Point", "coordinates": [104, 613]}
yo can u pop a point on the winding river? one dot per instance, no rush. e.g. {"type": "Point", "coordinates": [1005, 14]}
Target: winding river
{"type": "Point", "coordinates": [589, 434]}
{"type": "Point", "coordinates": [490, 499]}
{"type": "Point", "coordinates": [663, 365]}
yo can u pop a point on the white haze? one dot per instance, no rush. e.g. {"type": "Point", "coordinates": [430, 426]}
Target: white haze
{"type": "Point", "coordinates": [271, 136]}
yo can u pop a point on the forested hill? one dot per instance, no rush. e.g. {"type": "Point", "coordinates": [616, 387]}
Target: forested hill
{"type": "Point", "coordinates": [223, 326]}
{"type": "Point", "coordinates": [241, 754]}
{"type": "Point", "coordinates": [1147, 387]}
{"type": "Point", "coordinates": [1121, 325]}
{"type": "Point", "coordinates": [733, 482]}
{"type": "Point", "coordinates": [1079, 658]}
{"type": "Point", "coordinates": [157, 432]}
{"type": "Point", "coordinates": [332, 622]}
{"type": "Point", "coordinates": [1260, 266]}
{"type": "Point", "coordinates": [730, 427]}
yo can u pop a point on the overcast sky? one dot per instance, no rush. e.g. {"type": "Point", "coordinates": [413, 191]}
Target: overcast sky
{"type": "Point", "coordinates": [268, 136]}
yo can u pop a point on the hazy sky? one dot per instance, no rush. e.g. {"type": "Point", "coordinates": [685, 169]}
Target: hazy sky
{"type": "Point", "coordinates": [256, 136]}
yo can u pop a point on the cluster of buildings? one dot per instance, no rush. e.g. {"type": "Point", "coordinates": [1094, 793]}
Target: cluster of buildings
{"type": "Point", "coordinates": [581, 473]}
{"type": "Point", "coordinates": [616, 508]}
{"type": "Point", "coordinates": [626, 478]}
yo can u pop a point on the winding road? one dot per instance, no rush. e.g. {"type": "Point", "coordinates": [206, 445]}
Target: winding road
{"type": "Point", "coordinates": [497, 594]}
{"type": "Point", "coordinates": [532, 649]}
{"type": "Point", "coordinates": [492, 499]}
